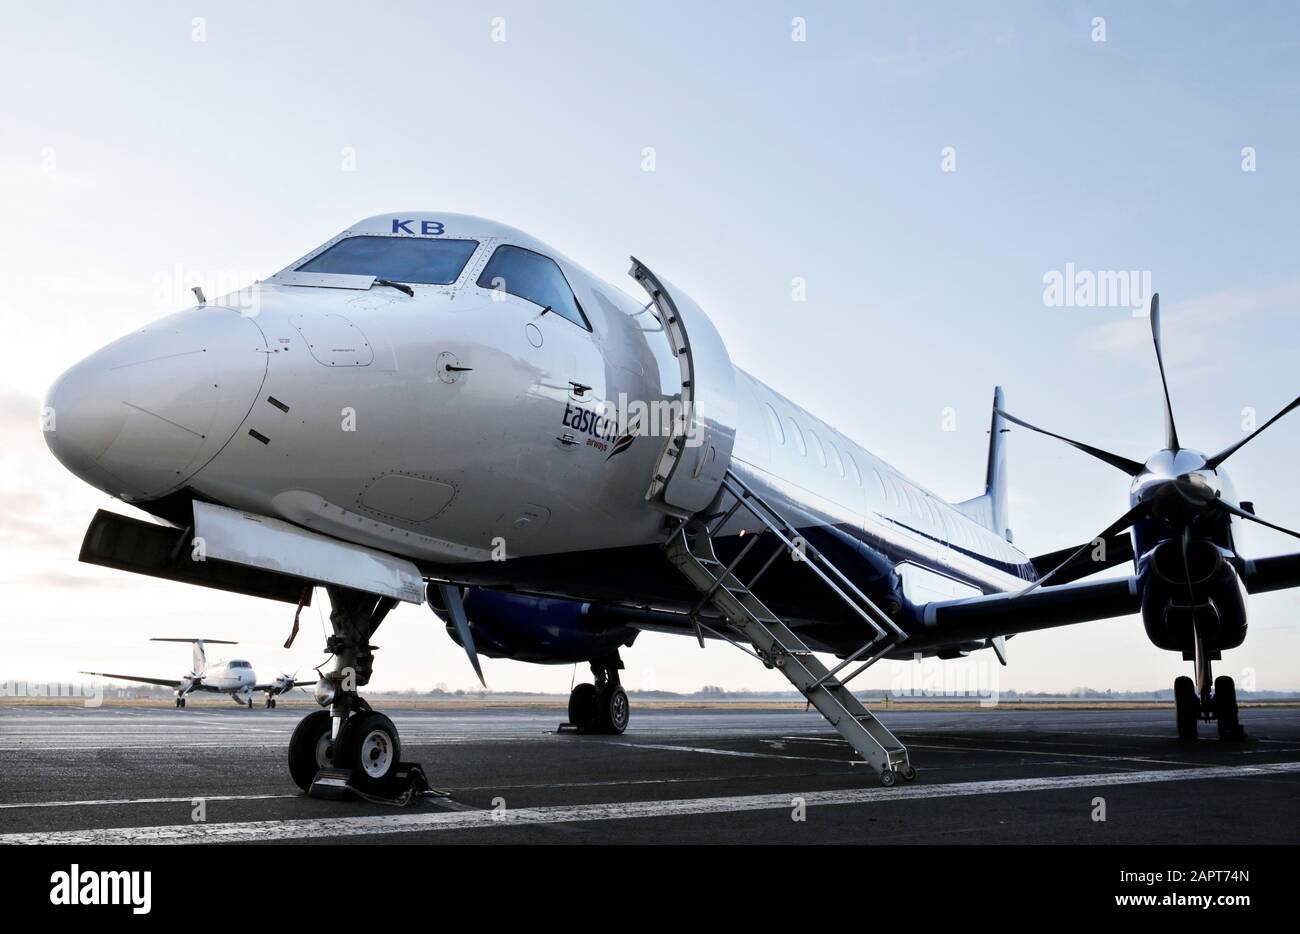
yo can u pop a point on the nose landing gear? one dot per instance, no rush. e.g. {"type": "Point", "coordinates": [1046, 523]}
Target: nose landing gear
{"type": "Point", "coordinates": [349, 736]}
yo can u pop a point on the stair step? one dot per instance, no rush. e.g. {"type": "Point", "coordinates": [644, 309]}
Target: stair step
{"type": "Point", "coordinates": [742, 608]}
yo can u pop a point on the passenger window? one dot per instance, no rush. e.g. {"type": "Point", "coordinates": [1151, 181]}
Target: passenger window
{"type": "Point", "coordinates": [533, 277]}
{"type": "Point", "coordinates": [798, 437]}
{"type": "Point", "coordinates": [817, 447]}
{"type": "Point", "coordinates": [835, 457]}
{"type": "Point", "coordinates": [853, 467]}
{"type": "Point", "coordinates": [884, 497]}
{"type": "Point", "coordinates": [775, 421]}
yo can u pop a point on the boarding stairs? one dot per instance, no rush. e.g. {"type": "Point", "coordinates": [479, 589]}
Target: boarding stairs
{"type": "Point", "coordinates": [691, 550]}
{"type": "Point", "coordinates": [694, 484]}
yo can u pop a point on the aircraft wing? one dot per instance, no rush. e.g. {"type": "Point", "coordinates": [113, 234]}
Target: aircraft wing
{"type": "Point", "coordinates": [1003, 614]}
{"type": "Point", "coordinates": [276, 687]}
{"type": "Point", "coordinates": [161, 681]}
{"type": "Point", "coordinates": [1275, 573]}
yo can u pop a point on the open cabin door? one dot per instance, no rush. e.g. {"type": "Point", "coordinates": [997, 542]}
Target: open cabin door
{"type": "Point", "coordinates": [697, 450]}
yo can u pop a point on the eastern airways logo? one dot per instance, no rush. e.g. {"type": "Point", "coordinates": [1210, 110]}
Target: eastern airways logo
{"type": "Point", "coordinates": [602, 433]}
{"type": "Point", "coordinates": [611, 428]}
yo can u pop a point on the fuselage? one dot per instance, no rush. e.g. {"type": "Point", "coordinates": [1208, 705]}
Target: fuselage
{"type": "Point", "coordinates": [235, 676]}
{"type": "Point", "coordinates": [463, 424]}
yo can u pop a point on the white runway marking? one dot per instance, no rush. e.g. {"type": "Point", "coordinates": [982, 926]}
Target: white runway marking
{"type": "Point", "coordinates": [104, 801]}
{"type": "Point", "coordinates": [324, 828]}
{"type": "Point", "coordinates": [722, 752]}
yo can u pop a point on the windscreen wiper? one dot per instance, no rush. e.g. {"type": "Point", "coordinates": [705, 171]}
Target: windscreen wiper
{"type": "Point", "coordinates": [400, 286]}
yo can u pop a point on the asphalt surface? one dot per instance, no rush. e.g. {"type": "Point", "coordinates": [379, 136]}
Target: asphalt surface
{"type": "Point", "coordinates": [138, 775]}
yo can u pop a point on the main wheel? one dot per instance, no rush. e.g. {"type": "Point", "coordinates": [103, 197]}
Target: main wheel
{"type": "Point", "coordinates": [1187, 707]}
{"type": "Point", "coordinates": [368, 745]}
{"type": "Point", "coordinates": [582, 706]}
{"type": "Point", "coordinates": [612, 709]}
{"type": "Point", "coordinates": [1225, 709]}
{"type": "Point", "coordinates": [311, 748]}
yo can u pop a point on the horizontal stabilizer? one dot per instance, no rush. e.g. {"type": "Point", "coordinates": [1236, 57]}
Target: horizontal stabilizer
{"type": "Point", "coordinates": [208, 641]}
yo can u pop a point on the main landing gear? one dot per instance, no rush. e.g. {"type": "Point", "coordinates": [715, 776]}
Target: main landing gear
{"type": "Point", "coordinates": [349, 735]}
{"type": "Point", "coordinates": [270, 702]}
{"type": "Point", "coordinates": [180, 702]}
{"type": "Point", "coordinates": [1195, 700]}
{"type": "Point", "coordinates": [601, 707]}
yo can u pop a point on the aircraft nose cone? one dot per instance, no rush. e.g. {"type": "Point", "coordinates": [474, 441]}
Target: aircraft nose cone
{"type": "Point", "coordinates": [141, 416]}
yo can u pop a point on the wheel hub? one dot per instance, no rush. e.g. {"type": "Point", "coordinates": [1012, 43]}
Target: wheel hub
{"type": "Point", "coordinates": [376, 753]}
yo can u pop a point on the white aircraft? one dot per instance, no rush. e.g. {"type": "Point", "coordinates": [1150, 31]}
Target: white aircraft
{"type": "Point", "coordinates": [234, 677]}
{"type": "Point", "coordinates": [439, 408]}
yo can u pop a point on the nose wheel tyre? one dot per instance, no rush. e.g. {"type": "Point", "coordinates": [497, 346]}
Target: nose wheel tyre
{"type": "Point", "coordinates": [311, 748]}
{"type": "Point", "coordinates": [368, 745]}
{"type": "Point", "coordinates": [1187, 706]}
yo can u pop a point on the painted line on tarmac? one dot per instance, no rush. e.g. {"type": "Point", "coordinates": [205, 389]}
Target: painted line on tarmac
{"type": "Point", "coordinates": [106, 801]}
{"type": "Point", "coordinates": [720, 752]}
{"type": "Point", "coordinates": [329, 828]}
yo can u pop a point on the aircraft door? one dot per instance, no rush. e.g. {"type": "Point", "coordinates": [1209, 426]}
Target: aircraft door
{"type": "Point", "coordinates": [697, 452]}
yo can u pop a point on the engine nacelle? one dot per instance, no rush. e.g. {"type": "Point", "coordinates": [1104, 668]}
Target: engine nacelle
{"type": "Point", "coordinates": [1167, 613]}
{"type": "Point", "coordinates": [542, 630]}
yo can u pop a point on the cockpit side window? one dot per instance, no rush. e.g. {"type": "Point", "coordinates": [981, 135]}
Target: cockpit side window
{"type": "Point", "coordinates": [535, 278]}
{"type": "Point", "coordinates": [423, 261]}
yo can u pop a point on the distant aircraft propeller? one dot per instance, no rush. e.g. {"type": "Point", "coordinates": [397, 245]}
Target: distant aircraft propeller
{"type": "Point", "coordinates": [1175, 484]}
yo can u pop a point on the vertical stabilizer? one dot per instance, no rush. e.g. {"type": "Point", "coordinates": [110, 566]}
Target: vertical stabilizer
{"type": "Point", "coordinates": [990, 508]}
{"type": "Point", "coordinates": [200, 651]}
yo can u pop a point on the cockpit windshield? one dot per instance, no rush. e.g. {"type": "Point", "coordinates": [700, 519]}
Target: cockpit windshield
{"type": "Point", "coordinates": [400, 259]}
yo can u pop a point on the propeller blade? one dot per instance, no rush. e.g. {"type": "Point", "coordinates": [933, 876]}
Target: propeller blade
{"type": "Point", "coordinates": [456, 609]}
{"type": "Point", "coordinates": [1141, 510]}
{"type": "Point", "coordinates": [1171, 433]}
{"type": "Point", "coordinates": [1254, 518]}
{"type": "Point", "coordinates": [1231, 449]}
{"type": "Point", "coordinates": [1130, 467]}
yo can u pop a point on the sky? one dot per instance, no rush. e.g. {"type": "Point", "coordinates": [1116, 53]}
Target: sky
{"type": "Point", "coordinates": [921, 168]}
